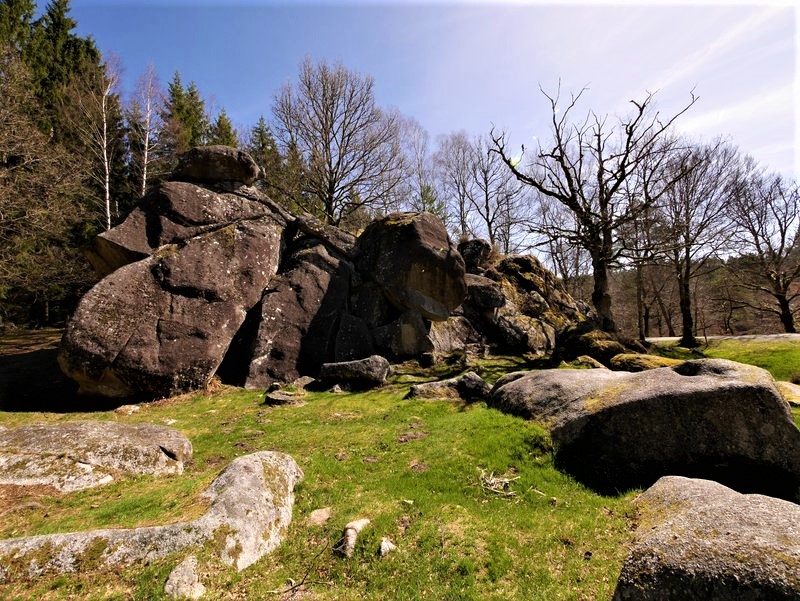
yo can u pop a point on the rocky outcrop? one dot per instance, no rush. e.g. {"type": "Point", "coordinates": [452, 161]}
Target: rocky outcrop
{"type": "Point", "coordinates": [249, 514]}
{"type": "Point", "coordinates": [517, 305]}
{"type": "Point", "coordinates": [697, 539]}
{"type": "Point", "coordinates": [411, 258]}
{"type": "Point", "coordinates": [208, 275]}
{"type": "Point", "coordinates": [70, 456]}
{"type": "Point", "coordinates": [162, 325]}
{"type": "Point", "coordinates": [708, 418]}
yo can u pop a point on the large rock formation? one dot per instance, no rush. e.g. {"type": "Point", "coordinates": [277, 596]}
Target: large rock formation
{"type": "Point", "coordinates": [697, 539]}
{"type": "Point", "coordinates": [708, 418]}
{"type": "Point", "coordinates": [209, 276]}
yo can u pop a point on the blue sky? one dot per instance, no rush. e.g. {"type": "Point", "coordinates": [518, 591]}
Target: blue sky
{"type": "Point", "coordinates": [466, 65]}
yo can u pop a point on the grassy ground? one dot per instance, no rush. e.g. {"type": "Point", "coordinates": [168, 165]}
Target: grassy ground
{"type": "Point", "coordinates": [781, 357]}
{"type": "Point", "coordinates": [416, 468]}
{"type": "Point", "coordinates": [412, 467]}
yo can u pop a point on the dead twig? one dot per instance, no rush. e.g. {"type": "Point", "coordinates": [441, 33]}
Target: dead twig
{"type": "Point", "coordinates": [498, 485]}
{"type": "Point", "coordinates": [294, 586]}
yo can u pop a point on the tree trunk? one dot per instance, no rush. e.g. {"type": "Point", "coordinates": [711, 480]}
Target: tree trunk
{"type": "Point", "coordinates": [601, 299]}
{"type": "Point", "coordinates": [685, 298]}
{"type": "Point", "coordinates": [787, 319]}
{"type": "Point", "coordinates": [640, 308]}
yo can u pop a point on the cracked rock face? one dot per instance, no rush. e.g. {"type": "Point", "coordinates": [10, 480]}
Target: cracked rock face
{"type": "Point", "coordinates": [250, 511]}
{"type": "Point", "coordinates": [76, 455]}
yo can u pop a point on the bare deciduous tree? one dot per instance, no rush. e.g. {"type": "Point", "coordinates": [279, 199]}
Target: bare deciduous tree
{"type": "Point", "coordinates": [453, 162]}
{"type": "Point", "coordinates": [495, 197]}
{"type": "Point", "coordinates": [586, 168]}
{"type": "Point", "coordinates": [766, 209]}
{"type": "Point", "coordinates": [350, 146]}
{"type": "Point", "coordinates": [91, 105]}
{"type": "Point", "coordinates": [694, 215]}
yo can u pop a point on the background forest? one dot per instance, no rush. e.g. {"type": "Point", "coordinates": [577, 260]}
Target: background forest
{"type": "Point", "coordinates": [688, 237]}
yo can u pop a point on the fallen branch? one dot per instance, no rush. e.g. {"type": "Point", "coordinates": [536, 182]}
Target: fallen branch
{"type": "Point", "coordinates": [293, 586]}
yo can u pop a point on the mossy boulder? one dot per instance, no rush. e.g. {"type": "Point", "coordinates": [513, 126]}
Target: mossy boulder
{"type": "Point", "coordinates": [641, 362]}
{"type": "Point", "coordinates": [697, 539]}
{"type": "Point", "coordinates": [708, 418]}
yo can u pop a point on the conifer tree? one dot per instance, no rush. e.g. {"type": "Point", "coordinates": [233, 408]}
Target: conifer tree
{"type": "Point", "coordinates": [16, 21]}
{"type": "Point", "coordinates": [185, 121]}
{"type": "Point", "coordinates": [222, 131]}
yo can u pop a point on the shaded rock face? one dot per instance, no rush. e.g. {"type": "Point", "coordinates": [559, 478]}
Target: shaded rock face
{"type": "Point", "coordinates": [709, 418]}
{"type": "Point", "coordinates": [476, 254]}
{"type": "Point", "coordinates": [250, 511]}
{"type": "Point", "coordinates": [294, 326]}
{"type": "Point", "coordinates": [697, 539]}
{"type": "Point", "coordinates": [411, 258]}
{"type": "Point", "coordinates": [76, 455]}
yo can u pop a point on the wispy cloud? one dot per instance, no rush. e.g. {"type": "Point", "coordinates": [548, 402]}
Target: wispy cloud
{"type": "Point", "coordinates": [749, 112]}
{"type": "Point", "coordinates": [695, 64]}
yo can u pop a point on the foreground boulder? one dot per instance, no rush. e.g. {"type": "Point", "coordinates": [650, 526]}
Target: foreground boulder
{"type": "Point", "coordinates": [249, 514]}
{"type": "Point", "coordinates": [707, 418]}
{"type": "Point", "coordinates": [76, 455]}
{"type": "Point", "coordinates": [697, 539]}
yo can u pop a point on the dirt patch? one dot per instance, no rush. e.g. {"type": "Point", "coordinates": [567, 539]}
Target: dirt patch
{"type": "Point", "coordinates": [24, 498]}
{"type": "Point", "coordinates": [412, 435]}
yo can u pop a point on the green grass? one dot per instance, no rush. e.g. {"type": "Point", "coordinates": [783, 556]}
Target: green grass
{"type": "Point", "coordinates": [553, 539]}
{"type": "Point", "coordinates": [779, 357]}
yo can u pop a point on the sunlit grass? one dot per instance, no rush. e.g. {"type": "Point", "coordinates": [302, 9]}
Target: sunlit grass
{"type": "Point", "coordinates": [412, 467]}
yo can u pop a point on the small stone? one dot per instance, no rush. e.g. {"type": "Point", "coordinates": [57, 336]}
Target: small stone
{"type": "Point", "coordinates": [184, 582]}
{"type": "Point", "coordinates": [336, 389]}
{"type": "Point", "coordinates": [387, 546]}
{"type": "Point", "coordinates": [318, 517]}
{"type": "Point", "coordinates": [127, 409]}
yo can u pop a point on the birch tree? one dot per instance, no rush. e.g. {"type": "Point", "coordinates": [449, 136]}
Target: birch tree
{"type": "Point", "coordinates": [144, 123]}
